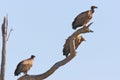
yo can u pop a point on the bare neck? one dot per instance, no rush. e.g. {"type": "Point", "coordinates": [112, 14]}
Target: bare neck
{"type": "Point", "coordinates": [92, 9]}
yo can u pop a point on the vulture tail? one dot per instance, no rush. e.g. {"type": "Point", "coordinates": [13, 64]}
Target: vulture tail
{"type": "Point", "coordinates": [75, 25]}
{"type": "Point", "coordinates": [66, 52]}
{"type": "Point", "coordinates": [17, 72]}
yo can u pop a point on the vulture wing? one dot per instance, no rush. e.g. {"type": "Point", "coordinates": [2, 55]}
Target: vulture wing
{"type": "Point", "coordinates": [81, 19]}
{"type": "Point", "coordinates": [66, 49]}
{"type": "Point", "coordinates": [18, 70]}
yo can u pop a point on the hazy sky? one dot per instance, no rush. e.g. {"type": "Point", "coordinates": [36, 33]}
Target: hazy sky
{"type": "Point", "coordinates": [41, 27]}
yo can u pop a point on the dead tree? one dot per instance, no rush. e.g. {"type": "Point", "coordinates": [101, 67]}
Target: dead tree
{"type": "Point", "coordinates": [62, 62]}
{"type": "Point", "coordinates": [4, 40]}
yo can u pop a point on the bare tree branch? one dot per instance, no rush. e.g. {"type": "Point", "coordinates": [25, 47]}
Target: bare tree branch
{"type": "Point", "coordinates": [4, 36]}
{"type": "Point", "coordinates": [62, 62]}
{"type": "Point", "coordinates": [9, 34]}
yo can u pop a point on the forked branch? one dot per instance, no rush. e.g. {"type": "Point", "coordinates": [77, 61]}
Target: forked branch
{"type": "Point", "coordinates": [62, 62]}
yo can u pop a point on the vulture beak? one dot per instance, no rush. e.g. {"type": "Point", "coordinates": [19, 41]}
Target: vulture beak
{"type": "Point", "coordinates": [95, 7]}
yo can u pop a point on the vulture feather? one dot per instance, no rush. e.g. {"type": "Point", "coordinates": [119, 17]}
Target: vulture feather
{"type": "Point", "coordinates": [83, 18]}
{"type": "Point", "coordinates": [24, 66]}
{"type": "Point", "coordinates": [66, 49]}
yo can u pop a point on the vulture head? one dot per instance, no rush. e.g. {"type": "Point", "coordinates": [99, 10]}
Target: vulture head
{"type": "Point", "coordinates": [32, 56]}
{"type": "Point", "coordinates": [93, 7]}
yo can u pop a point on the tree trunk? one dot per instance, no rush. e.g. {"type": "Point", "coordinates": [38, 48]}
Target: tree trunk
{"type": "Point", "coordinates": [4, 37]}
{"type": "Point", "coordinates": [0, 75]}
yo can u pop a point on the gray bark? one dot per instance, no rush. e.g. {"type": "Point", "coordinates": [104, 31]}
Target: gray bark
{"type": "Point", "coordinates": [4, 37]}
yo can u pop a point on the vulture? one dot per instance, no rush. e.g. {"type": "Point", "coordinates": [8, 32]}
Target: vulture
{"type": "Point", "coordinates": [66, 49]}
{"type": "Point", "coordinates": [83, 18]}
{"type": "Point", "coordinates": [24, 66]}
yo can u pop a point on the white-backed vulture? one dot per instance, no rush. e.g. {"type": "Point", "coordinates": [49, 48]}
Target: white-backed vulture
{"type": "Point", "coordinates": [66, 48]}
{"type": "Point", "coordinates": [83, 18]}
{"type": "Point", "coordinates": [24, 66]}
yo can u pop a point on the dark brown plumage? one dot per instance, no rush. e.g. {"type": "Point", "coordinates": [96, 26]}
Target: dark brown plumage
{"type": "Point", "coordinates": [66, 49]}
{"type": "Point", "coordinates": [24, 66]}
{"type": "Point", "coordinates": [83, 18]}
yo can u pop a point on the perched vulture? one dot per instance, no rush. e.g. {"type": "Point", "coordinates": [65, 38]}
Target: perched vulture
{"type": "Point", "coordinates": [66, 49]}
{"type": "Point", "coordinates": [83, 18]}
{"type": "Point", "coordinates": [24, 66]}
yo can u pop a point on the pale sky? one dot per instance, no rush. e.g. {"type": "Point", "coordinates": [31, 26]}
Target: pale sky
{"type": "Point", "coordinates": [41, 28]}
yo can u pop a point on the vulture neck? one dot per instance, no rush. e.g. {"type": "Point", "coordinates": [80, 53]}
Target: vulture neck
{"type": "Point", "coordinates": [92, 9]}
